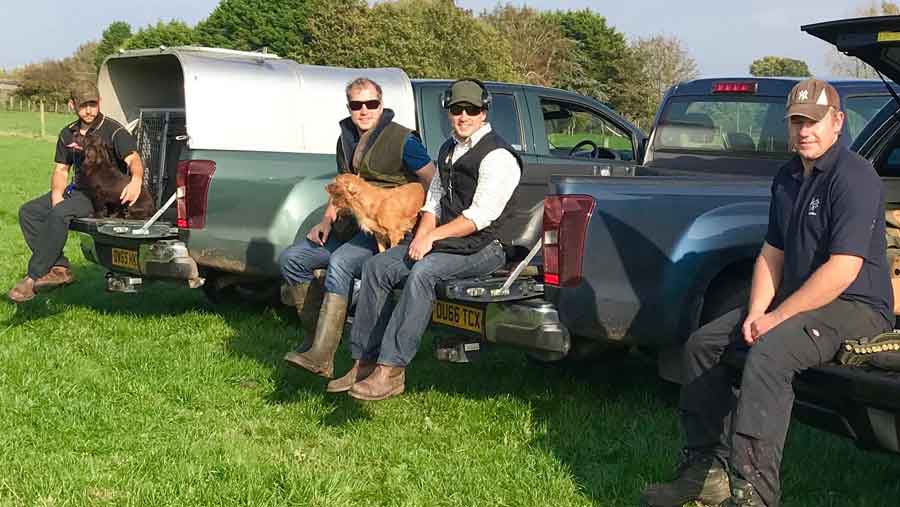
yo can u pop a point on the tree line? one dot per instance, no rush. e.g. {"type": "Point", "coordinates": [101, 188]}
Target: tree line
{"type": "Point", "coordinates": [576, 50]}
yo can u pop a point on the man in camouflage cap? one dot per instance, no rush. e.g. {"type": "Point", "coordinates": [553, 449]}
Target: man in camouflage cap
{"type": "Point", "coordinates": [45, 221]}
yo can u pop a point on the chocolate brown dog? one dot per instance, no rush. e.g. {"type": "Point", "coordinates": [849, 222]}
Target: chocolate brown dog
{"type": "Point", "coordinates": [103, 182]}
{"type": "Point", "coordinates": [388, 213]}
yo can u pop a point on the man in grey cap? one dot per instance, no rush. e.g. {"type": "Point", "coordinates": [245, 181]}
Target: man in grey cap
{"type": "Point", "coordinates": [459, 237]}
{"type": "Point", "coordinates": [821, 277]}
{"type": "Point", "coordinates": [45, 221]}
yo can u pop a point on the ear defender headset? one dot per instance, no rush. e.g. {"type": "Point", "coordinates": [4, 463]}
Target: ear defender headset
{"type": "Point", "coordinates": [486, 97]}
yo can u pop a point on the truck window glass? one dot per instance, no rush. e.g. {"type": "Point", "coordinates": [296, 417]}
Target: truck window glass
{"type": "Point", "coordinates": [503, 117]}
{"type": "Point", "coordinates": [726, 124]}
{"type": "Point", "coordinates": [571, 125]}
{"type": "Point", "coordinates": [859, 110]}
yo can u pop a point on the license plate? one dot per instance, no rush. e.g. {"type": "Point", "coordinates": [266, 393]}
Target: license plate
{"type": "Point", "coordinates": [459, 316]}
{"type": "Point", "coordinates": [125, 258]}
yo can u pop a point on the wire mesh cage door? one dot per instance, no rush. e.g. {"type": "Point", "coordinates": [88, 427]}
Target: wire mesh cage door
{"type": "Point", "coordinates": [156, 128]}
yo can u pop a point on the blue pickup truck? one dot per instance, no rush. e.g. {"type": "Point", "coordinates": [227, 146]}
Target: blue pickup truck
{"type": "Point", "coordinates": [646, 259]}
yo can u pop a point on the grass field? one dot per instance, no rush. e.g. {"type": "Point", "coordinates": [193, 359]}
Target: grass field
{"type": "Point", "coordinates": [162, 399]}
{"type": "Point", "coordinates": [17, 123]}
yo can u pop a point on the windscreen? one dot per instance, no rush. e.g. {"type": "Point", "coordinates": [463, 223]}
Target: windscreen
{"type": "Point", "coordinates": [734, 123]}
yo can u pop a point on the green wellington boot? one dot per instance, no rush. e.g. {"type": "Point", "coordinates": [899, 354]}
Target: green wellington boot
{"type": "Point", "coordinates": [319, 359]}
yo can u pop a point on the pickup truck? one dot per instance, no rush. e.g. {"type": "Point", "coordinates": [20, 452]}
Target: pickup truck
{"type": "Point", "coordinates": [644, 260]}
{"type": "Point", "coordinates": [243, 143]}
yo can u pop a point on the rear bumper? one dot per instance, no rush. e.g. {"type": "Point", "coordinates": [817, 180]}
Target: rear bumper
{"type": "Point", "coordinates": [529, 324]}
{"type": "Point", "coordinates": [160, 259]}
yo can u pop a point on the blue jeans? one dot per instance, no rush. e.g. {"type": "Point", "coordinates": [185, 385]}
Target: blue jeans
{"type": "Point", "coordinates": [344, 261]}
{"type": "Point", "coordinates": [393, 337]}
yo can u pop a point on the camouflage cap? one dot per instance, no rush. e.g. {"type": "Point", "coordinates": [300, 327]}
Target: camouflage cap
{"type": "Point", "coordinates": [811, 98]}
{"type": "Point", "coordinates": [84, 91]}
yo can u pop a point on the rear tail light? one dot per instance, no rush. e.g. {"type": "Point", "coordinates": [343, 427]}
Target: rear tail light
{"type": "Point", "coordinates": [193, 179]}
{"type": "Point", "coordinates": [565, 227]}
{"type": "Point", "coordinates": [734, 87]}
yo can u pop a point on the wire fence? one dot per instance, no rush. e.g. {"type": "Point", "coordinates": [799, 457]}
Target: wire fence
{"type": "Point", "coordinates": [12, 103]}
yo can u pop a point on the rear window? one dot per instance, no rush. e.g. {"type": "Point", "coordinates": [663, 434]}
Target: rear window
{"type": "Point", "coordinates": [859, 110]}
{"type": "Point", "coordinates": [748, 125]}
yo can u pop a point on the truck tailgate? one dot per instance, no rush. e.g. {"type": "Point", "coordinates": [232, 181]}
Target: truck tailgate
{"type": "Point", "coordinates": [158, 254]}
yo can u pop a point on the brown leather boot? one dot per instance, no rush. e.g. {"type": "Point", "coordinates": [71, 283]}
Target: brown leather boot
{"type": "Point", "coordinates": [384, 382]}
{"type": "Point", "coordinates": [23, 291]}
{"type": "Point", "coordinates": [57, 277]}
{"type": "Point", "coordinates": [319, 359]}
{"type": "Point", "coordinates": [359, 372]}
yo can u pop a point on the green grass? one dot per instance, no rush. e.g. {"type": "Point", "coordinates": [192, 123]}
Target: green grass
{"type": "Point", "coordinates": [569, 141]}
{"type": "Point", "coordinates": [161, 399]}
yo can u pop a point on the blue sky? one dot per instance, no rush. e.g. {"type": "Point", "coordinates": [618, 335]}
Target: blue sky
{"type": "Point", "coordinates": [723, 37]}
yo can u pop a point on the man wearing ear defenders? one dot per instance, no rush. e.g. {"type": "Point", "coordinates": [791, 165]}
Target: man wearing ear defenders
{"type": "Point", "coordinates": [479, 172]}
{"type": "Point", "coordinates": [383, 153]}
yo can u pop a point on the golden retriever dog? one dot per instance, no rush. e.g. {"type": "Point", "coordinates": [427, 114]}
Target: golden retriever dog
{"type": "Point", "coordinates": [388, 213]}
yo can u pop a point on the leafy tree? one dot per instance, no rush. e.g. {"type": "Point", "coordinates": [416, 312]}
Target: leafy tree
{"type": "Point", "coordinates": [173, 33]}
{"type": "Point", "coordinates": [51, 80]}
{"type": "Point", "coordinates": [113, 39]}
{"type": "Point", "coordinates": [608, 61]}
{"type": "Point", "coordinates": [850, 66]}
{"type": "Point", "coordinates": [250, 25]}
{"type": "Point", "coordinates": [664, 63]}
{"type": "Point", "coordinates": [779, 66]}
{"type": "Point", "coordinates": [426, 38]}
{"type": "Point", "coordinates": [541, 53]}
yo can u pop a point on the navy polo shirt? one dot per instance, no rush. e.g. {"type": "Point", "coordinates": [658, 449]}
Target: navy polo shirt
{"type": "Point", "coordinates": [838, 209]}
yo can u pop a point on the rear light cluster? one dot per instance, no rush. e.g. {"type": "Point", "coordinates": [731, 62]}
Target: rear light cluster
{"type": "Point", "coordinates": [565, 227]}
{"type": "Point", "coordinates": [734, 87]}
{"type": "Point", "coordinates": [193, 179]}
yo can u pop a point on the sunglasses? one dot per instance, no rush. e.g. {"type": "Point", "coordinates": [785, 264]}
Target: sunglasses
{"type": "Point", "coordinates": [457, 110]}
{"type": "Point", "coordinates": [356, 105]}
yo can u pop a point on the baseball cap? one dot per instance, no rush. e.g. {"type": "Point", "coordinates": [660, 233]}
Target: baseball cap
{"type": "Point", "coordinates": [811, 99]}
{"type": "Point", "coordinates": [84, 92]}
{"type": "Point", "coordinates": [466, 92]}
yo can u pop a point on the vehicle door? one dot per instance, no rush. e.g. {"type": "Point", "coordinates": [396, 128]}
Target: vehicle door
{"type": "Point", "coordinates": [575, 136]}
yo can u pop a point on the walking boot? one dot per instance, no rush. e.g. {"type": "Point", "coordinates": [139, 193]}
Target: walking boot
{"type": "Point", "coordinates": [384, 382]}
{"type": "Point", "coordinates": [57, 277]}
{"type": "Point", "coordinates": [359, 372]}
{"type": "Point", "coordinates": [700, 477]}
{"type": "Point", "coordinates": [22, 291]}
{"type": "Point", "coordinates": [743, 494]}
{"type": "Point", "coordinates": [319, 359]}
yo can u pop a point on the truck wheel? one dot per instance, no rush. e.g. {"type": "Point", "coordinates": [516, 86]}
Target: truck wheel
{"type": "Point", "coordinates": [227, 289]}
{"type": "Point", "coordinates": [724, 298]}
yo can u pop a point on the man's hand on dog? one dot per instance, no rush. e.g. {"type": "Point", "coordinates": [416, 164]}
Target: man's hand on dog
{"type": "Point", "coordinates": [131, 192]}
{"type": "Point", "coordinates": [420, 247]}
{"type": "Point", "coordinates": [318, 235]}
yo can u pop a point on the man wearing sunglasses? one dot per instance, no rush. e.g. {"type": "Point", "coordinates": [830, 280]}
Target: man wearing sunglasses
{"type": "Point", "coordinates": [479, 172]}
{"type": "Point", "coordinates": [383, 153]}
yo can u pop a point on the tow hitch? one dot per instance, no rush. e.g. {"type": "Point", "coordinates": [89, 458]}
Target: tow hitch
{"type": "Point", "coordinates": [119, 282]}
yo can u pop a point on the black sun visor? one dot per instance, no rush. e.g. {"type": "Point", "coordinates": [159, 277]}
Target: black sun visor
{"type": "Point", "coordinates": [874, 40]}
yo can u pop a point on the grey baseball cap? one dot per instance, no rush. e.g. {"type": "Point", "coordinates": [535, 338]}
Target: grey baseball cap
{"type": "Point", "coordinates": [467, 92]}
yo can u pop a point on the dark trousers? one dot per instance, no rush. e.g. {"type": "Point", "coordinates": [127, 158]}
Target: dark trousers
{"type": "Point", "coordinates": [392, 335]}
{"type": "Point", "coordinates": [46, 229]}
{"type": "Point", "coordinates": [746, 426]}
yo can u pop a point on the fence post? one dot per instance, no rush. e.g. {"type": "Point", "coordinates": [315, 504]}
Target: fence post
{"type": "Point", "coordinates": [43, 121]}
